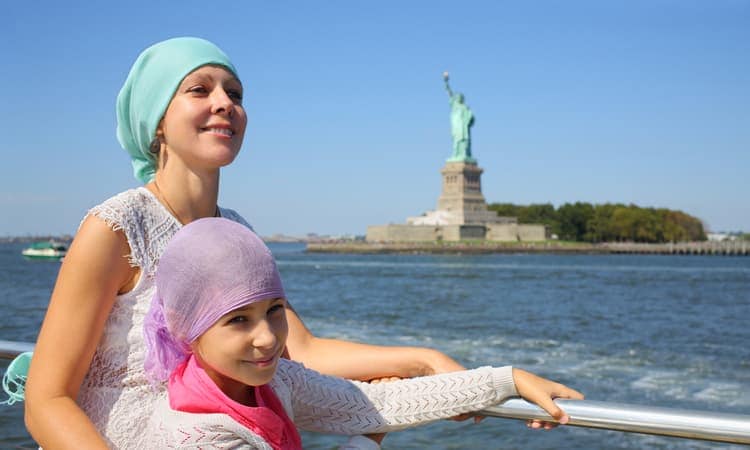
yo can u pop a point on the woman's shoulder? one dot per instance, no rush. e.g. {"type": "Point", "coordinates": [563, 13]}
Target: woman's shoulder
{"type": "Point", "coordinates": [128, 199]}
{"type": "Point", "coordinates": [146, 224]}
{"type": "Point", "coordinates": [129, 203]}
{"type": "Point", "coordinates": [231, 214]}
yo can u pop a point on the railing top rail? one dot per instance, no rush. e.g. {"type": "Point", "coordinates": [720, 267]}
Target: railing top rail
{"type": "Point", "coordinates": [712, 426]}
{"type": "Point", "coordinates": [11, 349]}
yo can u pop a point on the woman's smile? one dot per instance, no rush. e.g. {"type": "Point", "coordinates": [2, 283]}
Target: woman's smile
{"type": "Point", "coordinates": [223, 132]}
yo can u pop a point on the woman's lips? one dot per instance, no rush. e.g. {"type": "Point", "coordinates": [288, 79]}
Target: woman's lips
{"type": "Point", "coordinates": [220, 131]}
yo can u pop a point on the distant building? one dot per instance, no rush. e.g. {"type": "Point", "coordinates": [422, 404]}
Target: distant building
{"type": "Point", "coordinates": [719, 237]}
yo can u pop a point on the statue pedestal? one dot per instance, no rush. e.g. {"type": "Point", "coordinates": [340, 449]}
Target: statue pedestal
{"type": "Point", "coordinates": [462, 197]}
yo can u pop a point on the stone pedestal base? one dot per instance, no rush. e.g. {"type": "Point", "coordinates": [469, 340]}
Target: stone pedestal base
{"type": "Point", "coordinates": [462, 195]}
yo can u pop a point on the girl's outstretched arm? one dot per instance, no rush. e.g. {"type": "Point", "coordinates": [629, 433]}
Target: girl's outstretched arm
{"type": "Point", "coordinates": [93, 271]}
{"type": "Point", "coordinates": [328, 404]}
{"type": "Point", "coordinates": [362, 362]}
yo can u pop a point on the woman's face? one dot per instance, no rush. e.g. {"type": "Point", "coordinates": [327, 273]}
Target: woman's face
{"type": "Point", "coordinates": [243, 347]}
{"type": "Point", "coordinates": [205, 122]}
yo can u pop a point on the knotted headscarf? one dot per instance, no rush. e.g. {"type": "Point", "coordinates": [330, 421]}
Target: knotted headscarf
{"type": "Point", "coordinates": [210, 267]}
{"type": "Point", "coordinates": [151, 83]}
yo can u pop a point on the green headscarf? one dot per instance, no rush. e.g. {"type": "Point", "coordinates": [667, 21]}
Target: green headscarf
{"type": "Point", "coordinates": [151, 83]}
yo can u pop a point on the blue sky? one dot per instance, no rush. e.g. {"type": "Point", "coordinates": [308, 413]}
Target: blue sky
{"type": "Point", "coordinates": [644, 102]}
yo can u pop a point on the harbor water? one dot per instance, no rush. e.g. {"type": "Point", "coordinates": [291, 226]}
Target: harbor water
{"type": "Point", "coordinates": [655, 330]}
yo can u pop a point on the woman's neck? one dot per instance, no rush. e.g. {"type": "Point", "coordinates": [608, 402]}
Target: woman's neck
{"type": "Point", "coordinates": [187, 195]}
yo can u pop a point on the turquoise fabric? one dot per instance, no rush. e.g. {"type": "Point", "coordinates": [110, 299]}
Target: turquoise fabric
{"type": "Point", "coordinates": [149, 88]}
{"type": "Point", "coordinates": [14, 379]}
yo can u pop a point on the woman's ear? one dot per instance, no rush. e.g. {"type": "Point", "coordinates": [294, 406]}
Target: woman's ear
{"type": "Point", "coordinates": [155, 145]}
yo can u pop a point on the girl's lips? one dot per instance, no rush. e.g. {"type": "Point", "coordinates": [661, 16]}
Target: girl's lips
{"type": "Point", "coordinates": [264, 362]}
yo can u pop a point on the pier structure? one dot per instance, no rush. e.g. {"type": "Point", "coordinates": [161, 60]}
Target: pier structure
{"type": "Point", "coordinates": [725, 248]}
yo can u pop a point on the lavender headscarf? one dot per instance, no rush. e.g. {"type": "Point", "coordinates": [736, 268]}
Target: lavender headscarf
{"type": "Point", "coordinates": [210, 267]}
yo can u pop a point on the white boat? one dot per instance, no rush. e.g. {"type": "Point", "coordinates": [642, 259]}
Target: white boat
{"type": "Point", "coordinates": [50, 250]}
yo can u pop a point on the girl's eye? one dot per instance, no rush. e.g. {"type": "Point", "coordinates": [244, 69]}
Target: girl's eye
{"type": "Point", "coordinates": [234, 94]}
{"type": "Point", "coordinates": [275, 308]}
{"type": "Point", "coordinates": [238, 319]}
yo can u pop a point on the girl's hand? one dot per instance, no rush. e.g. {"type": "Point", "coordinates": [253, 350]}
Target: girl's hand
{"type": "Point", "coordinates": [542, 391]}
{"type": "Point", "coordinates": [384, 380]}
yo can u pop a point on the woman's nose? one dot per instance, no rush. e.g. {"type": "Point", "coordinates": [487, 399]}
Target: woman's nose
{"type": "Point", "coordinates": [221, 102]}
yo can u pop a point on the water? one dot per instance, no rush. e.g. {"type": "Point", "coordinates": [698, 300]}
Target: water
{"type": "Point", "coordinates": [654, 330]}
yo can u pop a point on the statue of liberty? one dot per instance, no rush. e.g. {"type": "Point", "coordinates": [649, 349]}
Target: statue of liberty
{"type": "Point", "coordinates": [461, 121]}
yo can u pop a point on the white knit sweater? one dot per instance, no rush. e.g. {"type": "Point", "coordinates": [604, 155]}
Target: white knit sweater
{"type": "Point", "coordinates": [327, 404]}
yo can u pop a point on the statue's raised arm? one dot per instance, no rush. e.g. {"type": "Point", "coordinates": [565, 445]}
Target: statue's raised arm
{"type": "Point", "coordinates": [447, 86]}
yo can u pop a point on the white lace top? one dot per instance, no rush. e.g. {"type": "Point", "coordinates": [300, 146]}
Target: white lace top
{"type": "Point", "coordinates": [115, 393]}
{"type": "Point", "coordinates": [327, 404]}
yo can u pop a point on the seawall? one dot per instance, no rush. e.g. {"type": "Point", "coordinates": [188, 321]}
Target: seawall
{"type": "Point", "coordinates": [726, 248]}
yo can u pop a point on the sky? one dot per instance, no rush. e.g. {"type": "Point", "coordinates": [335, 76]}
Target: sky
{"type": "Point", "coordinates": [644, 102]}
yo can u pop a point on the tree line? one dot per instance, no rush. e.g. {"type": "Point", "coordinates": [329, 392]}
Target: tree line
{"type": "Point", "coordinates": [584, 222]}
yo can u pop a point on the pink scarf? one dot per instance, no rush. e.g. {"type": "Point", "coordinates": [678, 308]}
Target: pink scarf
{"type": "Point", "coordinates": [191, 390]}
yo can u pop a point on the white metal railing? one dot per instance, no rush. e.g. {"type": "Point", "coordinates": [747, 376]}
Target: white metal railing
{"type": "Point", "coordinates": [711, 426]}
{"type": "Point", "coordinates": [11, 349]}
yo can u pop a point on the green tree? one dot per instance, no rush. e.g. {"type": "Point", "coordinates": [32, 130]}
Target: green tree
{"type": "Point", "coordinates": [600, 225]}
{"type": "Point", "coordinates": [505, 209]}
{"type": "Point", "coordinates": [574, 219]}
{"type": "Point", "coordinates": [608, 222]}
{"type": "Point", "coordinates": [538, 213]}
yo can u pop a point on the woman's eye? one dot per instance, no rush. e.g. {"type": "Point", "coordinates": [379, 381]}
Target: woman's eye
{"type": "Point", "coordinates": [238, 319]}
{"type": "Point", "coordinates": [275, 309]}
{"type": "Point", "coordinates": [198, 90]}
{"type": "Point", "coordinates": [235, 95]}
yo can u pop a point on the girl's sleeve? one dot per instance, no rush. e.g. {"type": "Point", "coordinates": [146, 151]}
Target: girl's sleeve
{"type": "Point", "coordinates": [327, 404]}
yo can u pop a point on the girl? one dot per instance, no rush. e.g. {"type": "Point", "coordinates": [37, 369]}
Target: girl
{"type": "Point", "coordinates": [217, 330]}
{"type": "Point", "coordinates": [180, 117]}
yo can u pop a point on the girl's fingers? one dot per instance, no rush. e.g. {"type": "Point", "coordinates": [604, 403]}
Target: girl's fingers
{"type": "Point", "coordinates": [536, 424]}
{"type": "Point", "coordinates": [563, 391]}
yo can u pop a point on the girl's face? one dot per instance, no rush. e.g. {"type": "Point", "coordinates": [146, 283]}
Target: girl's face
{"type": "Point", "coordinates": [243, 347]}
{"type": "Point", "coordinates": [205, 122]}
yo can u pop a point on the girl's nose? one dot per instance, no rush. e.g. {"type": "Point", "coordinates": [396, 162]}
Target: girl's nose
{"type": "Point", "coordinates": [263, 336]}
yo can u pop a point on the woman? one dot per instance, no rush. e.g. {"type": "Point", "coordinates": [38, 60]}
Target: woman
{"type": "Point", "coordinates": [181, 119]}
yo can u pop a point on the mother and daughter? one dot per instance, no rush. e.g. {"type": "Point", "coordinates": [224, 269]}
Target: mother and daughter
{"type": "Point", "coordinates": [209, 296]}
